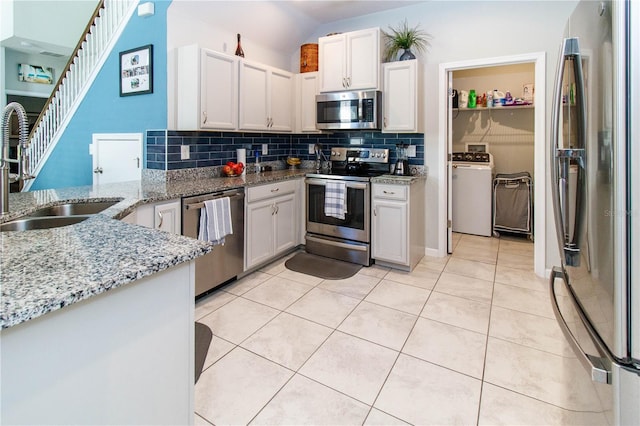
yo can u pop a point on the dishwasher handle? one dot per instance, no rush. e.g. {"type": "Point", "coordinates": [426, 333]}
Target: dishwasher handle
{"type": "Point", "coordinates": [231, 195]}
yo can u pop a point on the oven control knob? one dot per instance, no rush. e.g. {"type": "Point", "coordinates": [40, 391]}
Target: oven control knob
{"type": "Point", "coordinates": [384, 155]}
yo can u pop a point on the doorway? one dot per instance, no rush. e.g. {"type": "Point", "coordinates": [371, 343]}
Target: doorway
{"type": "Point", "coordinates": [446, 76]}
{"type": "Point", "coordinates": [117, 157]}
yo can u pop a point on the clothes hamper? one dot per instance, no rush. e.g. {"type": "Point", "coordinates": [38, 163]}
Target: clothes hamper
{"type": "Point", "coordinates": [512, 204]}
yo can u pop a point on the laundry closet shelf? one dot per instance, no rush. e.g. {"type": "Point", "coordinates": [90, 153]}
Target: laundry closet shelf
{"type": "Point", "coordinates": [500, 108]}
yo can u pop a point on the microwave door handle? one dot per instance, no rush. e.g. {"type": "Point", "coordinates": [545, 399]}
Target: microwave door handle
{"type": "Point", "coordinates": [360, 110]}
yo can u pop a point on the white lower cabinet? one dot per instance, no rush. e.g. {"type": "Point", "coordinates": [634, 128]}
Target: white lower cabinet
{"type": "Point", "coordinates": [398, 224]}
{"type": "Point", "coordinates": [271, 221]}
{"type": "Point", "coordinates": [164, 216]}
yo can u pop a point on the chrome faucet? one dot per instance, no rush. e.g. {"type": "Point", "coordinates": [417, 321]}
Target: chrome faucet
{"type": "Point", "coordinates": [317, 148]}
{"type": "Point", "coordinates": [22, 159]}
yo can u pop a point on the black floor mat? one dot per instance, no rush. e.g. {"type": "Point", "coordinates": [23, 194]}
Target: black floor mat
{"type": "Point", "coordinates": [322, 267]}
{"type": "Point", "coordinates": [203, 337]}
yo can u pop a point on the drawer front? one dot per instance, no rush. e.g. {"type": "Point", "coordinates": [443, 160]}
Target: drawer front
{"type": "Point", "coordinates": [256, 193]}
{"type": "Point", "coordinates": [390, 192]}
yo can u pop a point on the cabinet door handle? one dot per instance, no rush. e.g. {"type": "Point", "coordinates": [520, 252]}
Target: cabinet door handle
{"type": "Point", "coordinates": [161, 219]}
{"type": "Point", "coordinates": [348, 81]}
{"type": "Point", "coordinates": [375, 212]}
{"type": "Point", "coordinates": [204, 117]}
{"type": "Point", "coordinates": [344, 82]}
{"type": "Point", "coordinates": [275, 190]}
{"type": "Point", "coordinates": [97, 170]}
{"type": "Point", "coordinates": [388, 192]}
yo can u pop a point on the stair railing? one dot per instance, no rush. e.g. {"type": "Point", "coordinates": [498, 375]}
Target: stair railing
{"type": "Point", "coordinates": [100, 35]}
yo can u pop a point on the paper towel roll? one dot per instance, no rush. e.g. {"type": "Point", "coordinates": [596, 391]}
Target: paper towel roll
{"type": "Point", "coordinates": [242, 158]}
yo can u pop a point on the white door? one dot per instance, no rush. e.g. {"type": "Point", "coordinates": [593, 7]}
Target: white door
{"type": "Point", "coordinates": [254, 106]}
{"type": "Point", "coordinates": [281, 100]}
{"type": "Point", "coordinates": [449, 163]}
{"type": "Point", "coordinates": [116, 157]}
{"type": "Point", "coordinates": [390, 226]}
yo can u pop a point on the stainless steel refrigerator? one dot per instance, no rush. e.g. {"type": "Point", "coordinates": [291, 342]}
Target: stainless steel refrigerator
{"type": "Point", "coordinates": [595, 291]}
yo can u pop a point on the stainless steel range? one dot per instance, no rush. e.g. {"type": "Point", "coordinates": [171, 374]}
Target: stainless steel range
{"type": "Point", "coordinates": [345, 237]}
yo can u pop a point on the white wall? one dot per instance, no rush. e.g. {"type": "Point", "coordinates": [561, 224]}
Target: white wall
{"type": "Point", "coordinates": [466, 30]}
{"type": "Point", "coordinates": [59, 22]}
{"type": "Point", "coordinates": [268, 31]}
{"type": "Point", "coordinates": [13, 58]}
{"type": "Point", "coordinates": [460, 30]}
{"type": "Point", "coordinates": [508, 131]}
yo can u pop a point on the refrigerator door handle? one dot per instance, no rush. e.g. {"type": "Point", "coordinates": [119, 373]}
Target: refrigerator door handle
{"type": "Point", "coordinates": [599, 367]}
{"type": "Point", "coordinates": [562, 158]}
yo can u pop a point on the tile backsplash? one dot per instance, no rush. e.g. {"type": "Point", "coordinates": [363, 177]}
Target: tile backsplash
{"type": "Point", "coordinates": [207, 149]}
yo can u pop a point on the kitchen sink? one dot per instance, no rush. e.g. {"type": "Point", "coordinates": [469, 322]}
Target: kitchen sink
{"type": "Point", "coordinates": [74, 209]}
{"type": "Point", "coordinates": [29, 223]}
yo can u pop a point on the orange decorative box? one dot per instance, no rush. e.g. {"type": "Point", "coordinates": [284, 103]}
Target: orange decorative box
{"type": "Point", "coordinates": [309, 57]}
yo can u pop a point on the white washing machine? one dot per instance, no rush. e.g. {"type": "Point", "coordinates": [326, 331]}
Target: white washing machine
{"type": "Point", "coordinates": [472, 190]}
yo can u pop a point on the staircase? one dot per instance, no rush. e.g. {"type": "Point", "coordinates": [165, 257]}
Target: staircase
{"type": "Point", "coordinates": [100, 35]}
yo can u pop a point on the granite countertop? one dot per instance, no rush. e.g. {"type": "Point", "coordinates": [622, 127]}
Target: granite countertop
{"type": "Point", "coordinates": [45, 270]}
{"type": "Point", "coordinates": [398, 180]}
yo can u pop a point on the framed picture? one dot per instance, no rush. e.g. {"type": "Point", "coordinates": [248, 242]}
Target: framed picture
{"type": "Point", "coordinates": [136, 71]}
{"type": "Point", "coordinates": [35, 74]}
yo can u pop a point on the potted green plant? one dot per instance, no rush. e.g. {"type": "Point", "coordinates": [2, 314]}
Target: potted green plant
{"type": "Point", "coordinates": [404, 38]}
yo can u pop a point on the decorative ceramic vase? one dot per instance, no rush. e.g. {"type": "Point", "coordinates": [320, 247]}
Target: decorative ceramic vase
{"type": "Point", "coordinates": [407, 55]}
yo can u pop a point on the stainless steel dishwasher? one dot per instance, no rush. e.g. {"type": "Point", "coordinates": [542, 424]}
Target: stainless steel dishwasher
{"type": "Point", "coordinates": [226, 260]}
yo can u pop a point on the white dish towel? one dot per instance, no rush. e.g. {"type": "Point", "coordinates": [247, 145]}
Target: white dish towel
{"type": "Point", "coordinates": [335, 199]}
{"type": "Point", "coordinates": [215, 220]}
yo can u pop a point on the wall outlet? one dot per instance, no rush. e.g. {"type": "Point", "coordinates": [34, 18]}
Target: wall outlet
{"type": "Point", "coordinates": [312, 148]}
{"type": "Point", "coordinates": [184, 152]}
{"type": "Point", "coordinates": [411, 151]}
{"type": "Point", "coordinates": [265, 149]}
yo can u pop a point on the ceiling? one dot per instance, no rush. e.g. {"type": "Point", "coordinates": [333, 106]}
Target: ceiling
{"type": "Point", "coordinates": [334, 10]}
{"type": "Point", "coordinates": [282, 23]}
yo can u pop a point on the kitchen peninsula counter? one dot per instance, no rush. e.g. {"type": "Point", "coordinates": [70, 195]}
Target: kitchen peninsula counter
{"type": "Point", "coordinates": [46, 270]}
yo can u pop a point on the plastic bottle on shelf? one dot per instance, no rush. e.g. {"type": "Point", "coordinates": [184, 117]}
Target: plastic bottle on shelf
{"type": "Point", "coordinates": [472, 98]}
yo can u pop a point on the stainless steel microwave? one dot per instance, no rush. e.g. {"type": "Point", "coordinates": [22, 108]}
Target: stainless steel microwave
{"type": "Point", "coordinates": [349, 110]}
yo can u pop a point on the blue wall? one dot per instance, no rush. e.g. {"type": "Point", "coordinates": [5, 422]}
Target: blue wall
{"type": "Point", "coordinates": [104, 111]}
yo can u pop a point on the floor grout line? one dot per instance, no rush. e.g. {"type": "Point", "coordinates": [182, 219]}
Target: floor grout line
{"type": "Point", "coordinates": [400, 352]}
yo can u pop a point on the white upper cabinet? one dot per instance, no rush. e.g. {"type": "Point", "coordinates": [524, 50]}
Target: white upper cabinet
{"type": "Point", "coordinates": [266, 98]}
{"type": "Point", "coordinates": [207, 90]}
{"type": "Point", "coordinates": [306, 91]}
{"type": "Point", "coordinates": [350, 61]}
{"type": "Point", "coordinates": [400, 100]}
{"type": "Point", "coordinates": [281, 100]}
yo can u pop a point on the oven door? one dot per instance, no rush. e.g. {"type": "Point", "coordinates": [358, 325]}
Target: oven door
{"type": "Point", "coordinates": [356, 224]}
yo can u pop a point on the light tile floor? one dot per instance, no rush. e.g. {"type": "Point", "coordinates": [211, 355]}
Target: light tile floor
{"type": "Point", "coordinates": [467, 339]}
